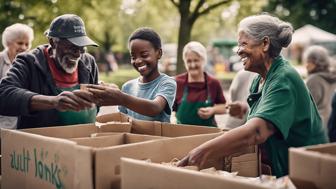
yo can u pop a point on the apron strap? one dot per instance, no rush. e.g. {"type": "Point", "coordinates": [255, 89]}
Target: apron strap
{"type": "Point", "coordinates": [186, 90]}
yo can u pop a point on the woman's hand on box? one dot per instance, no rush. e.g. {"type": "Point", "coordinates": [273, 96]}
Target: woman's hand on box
{"type": "Point", "coordinates": [196, 157]}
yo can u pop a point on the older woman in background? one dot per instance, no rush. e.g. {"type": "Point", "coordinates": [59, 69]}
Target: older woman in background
{"type": "Point", "coordinates": [199, 96]}
{"type": "Point", "coordinates": [16, 38]}
{"type": "Point", "coordinates": [321, 82]}
{"type": "Point", "coordinates": [277, 97]}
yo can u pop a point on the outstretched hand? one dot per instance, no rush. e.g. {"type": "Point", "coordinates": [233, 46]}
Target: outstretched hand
{"type": "Point", "coordinates": [73, 101]}
{"type": "Point", "coordinates": [105, 95]}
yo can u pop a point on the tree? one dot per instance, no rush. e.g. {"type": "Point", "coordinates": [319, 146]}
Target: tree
{"type": "Point", "coordinates": [190, 11]}
{"type": "Point", "coordinates": [301, 12]}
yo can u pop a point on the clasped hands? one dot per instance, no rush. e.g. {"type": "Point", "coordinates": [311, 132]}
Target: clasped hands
{"type": "Point", "coordinates": [87, 96]}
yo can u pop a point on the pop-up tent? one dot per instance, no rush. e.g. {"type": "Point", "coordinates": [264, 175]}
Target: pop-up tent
{"type": "Point", "coordinates": [309, 34]}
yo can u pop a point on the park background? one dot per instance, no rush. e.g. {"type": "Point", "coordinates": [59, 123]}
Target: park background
{"type": "Point", "coordinates": [212, 22]}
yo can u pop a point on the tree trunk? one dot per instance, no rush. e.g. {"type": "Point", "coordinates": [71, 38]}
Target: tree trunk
{"type": "Point", "coordinates": [183, 39]}
{"type": "Point", "coordinates": [184, 33]}
{"type": "Point", "coordinates": [107, 41]}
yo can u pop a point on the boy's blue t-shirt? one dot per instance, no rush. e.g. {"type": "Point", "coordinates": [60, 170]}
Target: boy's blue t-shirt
{"type": "Point", "coordinates": [164, 86]}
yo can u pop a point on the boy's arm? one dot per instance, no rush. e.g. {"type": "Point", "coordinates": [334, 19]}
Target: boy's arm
{"type": "Point", "coordinates": [109, 96]}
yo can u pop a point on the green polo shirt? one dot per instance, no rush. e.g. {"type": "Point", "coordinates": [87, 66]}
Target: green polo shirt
{"type": "Point", "coordinates": [284, 101]}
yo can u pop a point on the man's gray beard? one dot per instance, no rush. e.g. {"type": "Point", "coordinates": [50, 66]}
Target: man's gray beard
{"type": "Point", "coordinates": [63, 64]}
{"type": "Point", "coordinates": [66, 68]}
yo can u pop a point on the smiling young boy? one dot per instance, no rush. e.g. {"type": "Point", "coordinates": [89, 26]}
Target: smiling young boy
{"type": "Point", "coordinates": [150, 96]}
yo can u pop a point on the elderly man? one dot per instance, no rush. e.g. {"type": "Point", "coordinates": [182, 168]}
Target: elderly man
{"type": "Point", "coordinates": [42, 87]}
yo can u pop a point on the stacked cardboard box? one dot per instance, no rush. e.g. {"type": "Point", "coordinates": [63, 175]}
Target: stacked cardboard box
{"type": "Point", "coordinates": [87, 156]}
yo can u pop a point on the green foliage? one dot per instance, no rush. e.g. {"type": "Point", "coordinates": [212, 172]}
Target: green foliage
{"type": "Point", "coordinates": [301, 12]}
{"type": "Point", "coordinates": [110, 22]}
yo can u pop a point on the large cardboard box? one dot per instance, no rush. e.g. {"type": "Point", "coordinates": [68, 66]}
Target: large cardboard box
{"type": "Point", "coordinates": [48, 162]}
{"type": "Point", "coordinates": [107, 160]}
{"type": "Point", "coordinates": [34, 161]}
{"type": "Point", "coordinates": [43, 162]}
{"type": "Point", "coordinates": [143, 175]}
{"type": "Point", "coordinates": [102, 152]}
{"type": "Point", "coordinates": [313, 166]}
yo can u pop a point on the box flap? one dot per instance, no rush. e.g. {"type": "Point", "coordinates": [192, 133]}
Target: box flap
{"type": "Point", "coordinates": [144, 175]}
{"type": "Point", "coordinates": [133, 138]}
{"type": "Point", "coordinates": [70, 131]}
{"type": "Point", "coordinates": [113, 117]}
{"type": "Point", "coordinates": [176, 130]}
{"type": "Point", "coordinates": [146, 127]}
{"type": "Point", "coordinates": [102, 141]}
{"type": "Point", "coordinates": [115, 127]}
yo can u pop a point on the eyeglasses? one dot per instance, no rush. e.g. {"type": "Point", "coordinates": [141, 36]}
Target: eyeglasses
{"type": "Point", "coordinates": [69, 47]}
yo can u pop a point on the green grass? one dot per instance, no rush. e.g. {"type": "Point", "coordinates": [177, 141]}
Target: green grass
{"type": "Point", "coordinates": [119, 77]}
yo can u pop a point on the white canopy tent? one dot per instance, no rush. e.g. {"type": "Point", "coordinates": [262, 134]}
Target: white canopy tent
{"type": "Point", "coordinates": [309, 34]}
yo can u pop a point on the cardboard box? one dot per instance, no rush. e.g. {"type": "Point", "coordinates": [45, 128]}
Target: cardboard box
{"type": "Point", "coordinates": [34, 161]}
{"type": "Point", "coordinates": [102, 149]}
{"type": "Point", "coordinates": [143, 175]}
{"type": "Point", "coordinates": [108, 174]}
{"type": "Point", "coordinates": [43, 162]}
{"type": "Point", "coordinates": [47, 162]}
{"type": "Point", "coordinates": [313, 166]}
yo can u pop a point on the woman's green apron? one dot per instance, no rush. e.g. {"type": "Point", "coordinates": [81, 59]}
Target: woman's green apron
{"type": "Point", "coordinates": [187, 111]}
{"type": "Point", "coordinates": [73, 117]}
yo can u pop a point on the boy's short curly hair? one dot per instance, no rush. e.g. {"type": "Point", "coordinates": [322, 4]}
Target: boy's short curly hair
{"type": "Point", "coordinates": [147, 34]}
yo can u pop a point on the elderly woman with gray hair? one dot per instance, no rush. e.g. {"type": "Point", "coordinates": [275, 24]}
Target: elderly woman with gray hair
{"type": "Point", "coordinates": [16, 38]}
{"type": "Point", "coordinates": [282, 113]}
{"type": "Point", "coordinates": [199, 96]}
{"type": "Point", "coordinates": [321, 82]}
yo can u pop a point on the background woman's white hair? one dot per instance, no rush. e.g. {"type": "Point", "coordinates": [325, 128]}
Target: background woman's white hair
{"type": "Point", "coordinates": [15, 31]}
{"type": "Point", "coordinates": [197, 48]}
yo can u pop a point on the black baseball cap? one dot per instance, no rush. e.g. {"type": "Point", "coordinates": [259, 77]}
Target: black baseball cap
{"type": "Point", "coordinates": [72, 28]}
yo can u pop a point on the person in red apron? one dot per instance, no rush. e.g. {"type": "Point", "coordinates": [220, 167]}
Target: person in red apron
{"type": "Point", "coordinates": [199, 96]}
